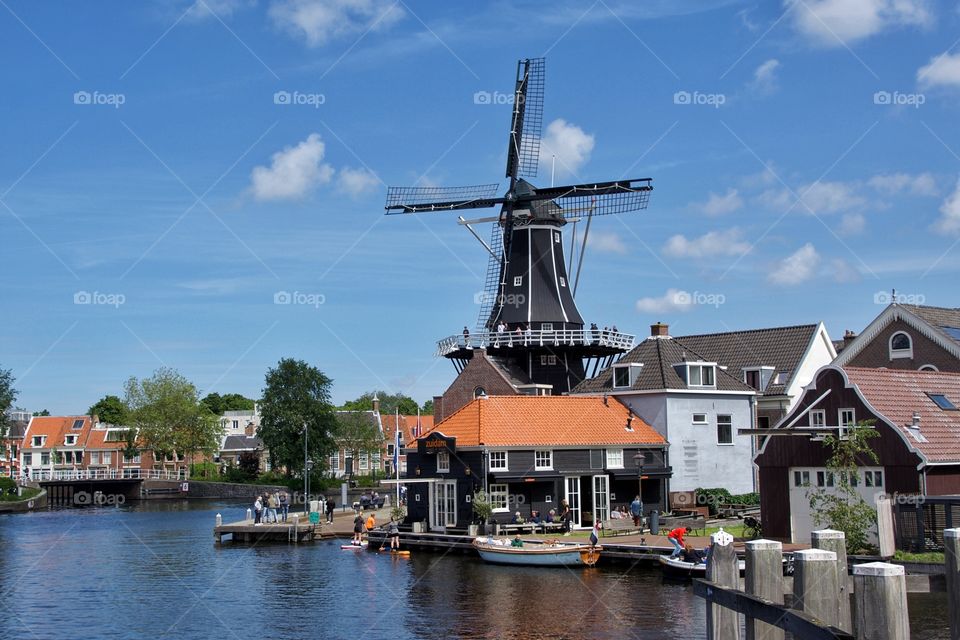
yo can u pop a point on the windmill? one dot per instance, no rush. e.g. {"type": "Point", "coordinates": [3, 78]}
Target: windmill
{"type": "Point", "coordinates": [528, 316]}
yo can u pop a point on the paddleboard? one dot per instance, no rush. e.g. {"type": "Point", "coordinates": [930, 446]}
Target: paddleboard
{"type": "Point", "coordinates": [395, 553]}
{"type": "Point", "coordinates": [353, 547]}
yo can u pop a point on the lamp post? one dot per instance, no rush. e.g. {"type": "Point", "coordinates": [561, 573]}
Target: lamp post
{"type": "Point", "coordinates": [306, 481]}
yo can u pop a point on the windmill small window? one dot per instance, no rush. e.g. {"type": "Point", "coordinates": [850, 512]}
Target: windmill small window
{"type": "Point", "coordinates": [518, 281]}
{"type": "Point", "coordinates": [563, 281]}
{"type": "Point", "coordinates": [556, 237]}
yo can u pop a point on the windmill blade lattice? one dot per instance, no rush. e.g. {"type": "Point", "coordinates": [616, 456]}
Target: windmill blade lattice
{"type": "Point", "coordinates": [405, 199]}
{"type": "Point", "coordinates": [598, 200]}
{"type": "Point", "coordinates": [529, 160]}
{"type": "Point", "coordinates": [491, 286]}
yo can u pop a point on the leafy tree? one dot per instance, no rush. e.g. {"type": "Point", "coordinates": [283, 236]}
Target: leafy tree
{"type": "Point", "coordinates": [7, 397]}
{"type": "Point", "coordinates": [218, 404]}
{"type": "Point", "coordinates": [166, 411]}
{"type": "Point", "coordinates": [358, 433]}
{"type": "Point", "coordinates": [842, 507]}
{"type": "Point", "coordinates": [389, 403]}
{"type": "Point", "coordinates": [296, 398]}
{"type": "Point", "coordinates": [427, 408]}
{"type": "Point", "coordinates": [45, 412]}
{"type": "Point", "coordinates": [249, 464]}
{"type": "Point", "coordinates": [110, 409]}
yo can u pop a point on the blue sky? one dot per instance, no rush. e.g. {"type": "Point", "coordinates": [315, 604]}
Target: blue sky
{"type": "Point", "coordinates": [156, 194]}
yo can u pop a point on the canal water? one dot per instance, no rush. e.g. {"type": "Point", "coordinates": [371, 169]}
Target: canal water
{"type": "Point", "coordinates": [151, 570]}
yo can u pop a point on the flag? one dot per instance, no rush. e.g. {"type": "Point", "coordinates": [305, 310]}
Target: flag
{"type": "Point", "coordinates": [595, 535]}
{"type": "Point", "coordinates": [418, 423]}
{"type": "Point", "coordinates": [396, 447]}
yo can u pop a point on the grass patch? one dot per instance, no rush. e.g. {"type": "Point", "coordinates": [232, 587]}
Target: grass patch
{"type": "Point", "coordinates": [28, 494]}
{"type": "Point", "coordinates": [931, 557]}
{"type": "Point", "coordinates": [736, 530]}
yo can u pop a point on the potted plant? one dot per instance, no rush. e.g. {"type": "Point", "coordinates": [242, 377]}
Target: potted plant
{"type": "Point", "coordinates": [482, 510]}
{"type": "Point", "coordinates": [398, 513]}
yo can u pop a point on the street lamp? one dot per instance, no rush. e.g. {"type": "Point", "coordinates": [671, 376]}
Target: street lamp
{"type": "Point", "coordinates": [640, 459]}
{"type": "Point", "coordinates": [306, 486]}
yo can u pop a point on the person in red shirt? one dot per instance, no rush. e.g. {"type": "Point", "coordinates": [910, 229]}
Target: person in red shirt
{"type": "Point", "coordinates": [676, 537]}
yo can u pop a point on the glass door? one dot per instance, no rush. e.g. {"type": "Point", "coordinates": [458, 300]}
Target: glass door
{"type": "Point", "coordinates": [573, 499]}
{"type": "Point", "coordinates": [601, 499]}
{"type": "Point", "coordinates": [445, 504]}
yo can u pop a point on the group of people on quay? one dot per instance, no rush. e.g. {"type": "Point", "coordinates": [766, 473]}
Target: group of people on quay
{"type": "Point", "coordinates": [271, 507]}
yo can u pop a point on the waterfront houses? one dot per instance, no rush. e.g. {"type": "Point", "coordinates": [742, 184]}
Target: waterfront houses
{"type": "Point", "coordinates": [531, 452]}
{"type": "Point", "coordinates": [361, 444]}
{"type": "Point", "coordinates": [916, 417]}
{"type": "Point", "coordinates": [10, 445]}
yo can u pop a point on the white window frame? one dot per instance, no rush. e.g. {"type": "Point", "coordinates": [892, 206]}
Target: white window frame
{"type": "Point", "coordinates": [94, 457]}
{"type": "Point", "coordinates": [900, 353]}
{"type": "Point", "coordinates": [38, 441]}
{"type": "Point", "coordinates": [70, 440]}
{"type": "Point", "coordinates": [443, 462]}
{"type": "Point", "coordinates": [701, 368]}
{"type": "Point", "coordinates": [818, 414]}
{"type": "Point", "coordinates": [539, 457]}
{"type": "Point", "coordinates": [563, 281]}
{"type": "Point", "coordinates": [556, 237]}
{"type": "Point", "coordinates": [335, 462]}
{"type": "Point", "coordinates": [518, 281]}
{"type": "Point", "coordinates": [614, 458]}
{"type": "Point", "coordinates": [546, 326]}
{"type": "Point", "coordinates": [548, 360]}
{"type": "Point", "coordinates": [619, 371]}
{"type": "Point", "coordinates": [846, 425]}
{"type": "Point", "coordinates": [693, 419]}
{"type": "Point", "coordinates": [364, 461]}
{"type": "Point", "coordinates": [106, 457]}
{"type": "Point", "coordinates": [801, 478]}
{"type": "Point", "coordinates": [730, 424]}
{"type": "Point", "coordinates": [499, 494]}
{"type": "Point", "coordinates": [499, 461]}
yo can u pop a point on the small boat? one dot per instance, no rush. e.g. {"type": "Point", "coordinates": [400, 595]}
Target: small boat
{"type": "Point", "coordinates": [677, 568]}
{"type": "Point", "coordinates": [540, 554]}
{"type": "Point", "coordinates": [354, 547]}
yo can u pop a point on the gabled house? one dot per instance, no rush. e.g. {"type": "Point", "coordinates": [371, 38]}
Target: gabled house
{"type": "Point", "coordinates": [530, 453]}
{"type": "Point", "coordinates": [368, 461]}
{"type": "Point", "coordinates": [54, 443]}
{"type": "Point", "coordinates": [106, 455]}
{"type": "Point", "coordinates": [10, 448]}
{"type": "Point", "coordinates": [693, 402]}
{"type": "Point", "coordinates": [234, 446]}
{"type": "Point", "coordinates": [240, 422]}
{"type": "Point", "coordinates": [907, 337]}
{"type": "Point", "coordinates": [915, 414]}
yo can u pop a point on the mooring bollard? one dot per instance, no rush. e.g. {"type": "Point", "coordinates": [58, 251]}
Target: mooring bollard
{"type": "Point", "coordinates": [832, 540]}
{"type": "Point", "coordinates": [723, 569]}
{"type": "Point", "coordinates": [951, 543]}
{"type": "Point", "coordinates": [880, 590]}
{"type": "Point", "coordinates": [249, 514]}
{"type": "Point", "coordinates": [219, 520]}
{"type": "Point", "coordinates": [764, 579]}
{"type": "Point", "coordinates": [815, 589]}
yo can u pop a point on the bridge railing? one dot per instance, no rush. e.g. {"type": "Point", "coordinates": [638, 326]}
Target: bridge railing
{"type": "Point", "coordinates": [67, 475]}
{"type": "Point", "coordinates": [538, 338]}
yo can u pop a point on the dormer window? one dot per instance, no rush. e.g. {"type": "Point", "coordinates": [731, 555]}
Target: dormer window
{"type": "Point", "coordinates": [70, 440]}
{"type": "Point", "coordinates": [38, 441]}
{"type": "Point", "coordinates": [901, 345]}
{"type": "Point", "coordinates": [758, 377]}
{"type": "Point", "coordinates": [625, 375]}
{"type": "Point", "coordinates": [701, 375]}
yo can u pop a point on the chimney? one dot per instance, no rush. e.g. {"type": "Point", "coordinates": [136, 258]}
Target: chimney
{"type": "Point", "coordinates": [250, 430]}
{"type": "Point", "coordinates": [437, 408]}
{"type": "Point", "coordinates": [916, 421]}
{"type": "Point", "coordinates": [376, 404]}
{"type": "Point", "coordinates": [660, 330]}
{"type": "Point", "coordinates": [848, 337]}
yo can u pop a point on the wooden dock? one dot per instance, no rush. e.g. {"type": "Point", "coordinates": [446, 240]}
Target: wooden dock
{"type": "Point", "coordinates": [296, 530]}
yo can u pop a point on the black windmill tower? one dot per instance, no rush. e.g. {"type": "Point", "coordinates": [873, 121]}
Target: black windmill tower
{"type": "Point", "coordinates": [529, 322]}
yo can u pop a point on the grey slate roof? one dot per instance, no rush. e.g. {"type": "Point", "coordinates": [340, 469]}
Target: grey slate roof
{"type": "Point", "coordinates": [780, 347]}
{"type": "Point", "coordinates": [658, 355]}
{"type": "Point", "coordinates": [939, 318]}
{"type": "Point", "coordinates": [241, 443]}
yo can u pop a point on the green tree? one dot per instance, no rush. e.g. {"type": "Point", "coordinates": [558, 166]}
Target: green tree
{"type": "Point", "coordinates": [427, 408]}
{"type": "Point", "coordinates": [358, 433]}
{"type": "Point", "coordinates": [296, 396]}
{"type": "Point", "coordinates": [110, 409]}
{"type": "Point", "coordinates": [44, 412]}
{"type": "Point", "coordinates": [167, 414]}
{"type": "Point", "coordinates": [218, 404]}
{"type": "Point", "coordinates": [842, 507]}
{"type": "Point", "coordinates": [7, 397]}
{"type": "Point", "coordinates": [389, 403]}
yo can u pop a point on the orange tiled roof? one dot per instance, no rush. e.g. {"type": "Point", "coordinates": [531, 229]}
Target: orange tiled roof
{"type": "Point", "coordinates": [556, 421]}
{"type": "Point", "coordinates": [55, 428]}
{"type": "Point", "coordinates": [98, 440]}
{"type": "Point", "coordinates": [407, 426]}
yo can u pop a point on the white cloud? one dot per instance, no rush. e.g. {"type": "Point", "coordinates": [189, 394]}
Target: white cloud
{"type": "Point", "coordinates": [570, 145]}
{"type": "Point", "coordinates": [765, 77]}
{"type": "Point", "coordinates": [717, 205]}
{"type": "Point", "coordinates": [830, 197]}
{"type": "Point", "coordinates": [941, 71]}
{"type": "Point", "coordinates": [607, 242]}
{"type": "Point", "coordinates": [851, 224]}
{"type": "Point", "coordinates": [293, 172]}
{"type": "Point", "coordinates": [842, 271]}
{"type": "Point", "coordinates": [202, 9]}
{"type": "Point", "coordinates": [835, 23]}
{"type": "Point", "coordinates": [949, 221]}
{"type": "Point", "coordinates": [672, 300]}
{"type": "Point", "coordinates": [714, 243]}
{"type": "Point", "coordinates": [357, 182]}
{"type": "Point", "coordinates": [797, 267]}
{"type": "Point", "coordinates": [763, 178]}
{"type": "Point", "coordinates": [319, 21]}
{"type": "Point", "coordinates": [921, 184]}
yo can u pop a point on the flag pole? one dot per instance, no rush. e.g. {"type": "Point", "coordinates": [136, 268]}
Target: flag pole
{"type": "Point", "coordinates": [396, 453]}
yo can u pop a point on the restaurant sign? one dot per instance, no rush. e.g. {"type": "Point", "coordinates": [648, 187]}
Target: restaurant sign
{"type": "Point", "coordinates": [436, 442]}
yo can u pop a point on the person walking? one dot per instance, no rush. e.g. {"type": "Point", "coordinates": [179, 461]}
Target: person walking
{"type": "Point", "coordinates": [330, 506]}
{"type": "Point", "coordinates": [636, 510]}
{"type": "Point", "coordinates": [257, 510]}
{"type": "Point", "coordinates": [566, 516]}
{"type": "Point", "coordinates": [284, 500]}
{"type": "Point", "coordinates": [676, 537]}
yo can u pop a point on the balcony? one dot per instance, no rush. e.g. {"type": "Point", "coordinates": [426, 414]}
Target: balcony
{"type": "Point", "coordinates": [590, 342]}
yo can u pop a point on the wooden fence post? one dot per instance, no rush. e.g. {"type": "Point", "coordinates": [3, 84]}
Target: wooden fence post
{"type": "Point", "coordinates": [723, 569]}
{"type": "Point", "coordinates": [880, 590]}
{"type": "Point", "coordinates": [832, 540]}
{"type": "Point", "coordinates": [815, 589]}
{"type": "Point", "coordinates": [951, 543]}
{"type": "Point", "coordinates": [764, 578]}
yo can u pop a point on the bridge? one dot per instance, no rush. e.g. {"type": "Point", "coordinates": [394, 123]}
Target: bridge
{"type": "Point", "coordinates": [84, 487]}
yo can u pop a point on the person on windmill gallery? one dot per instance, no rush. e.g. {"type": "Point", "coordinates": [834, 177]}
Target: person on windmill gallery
{"type": "Point", "coordinates": [466, 336]}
